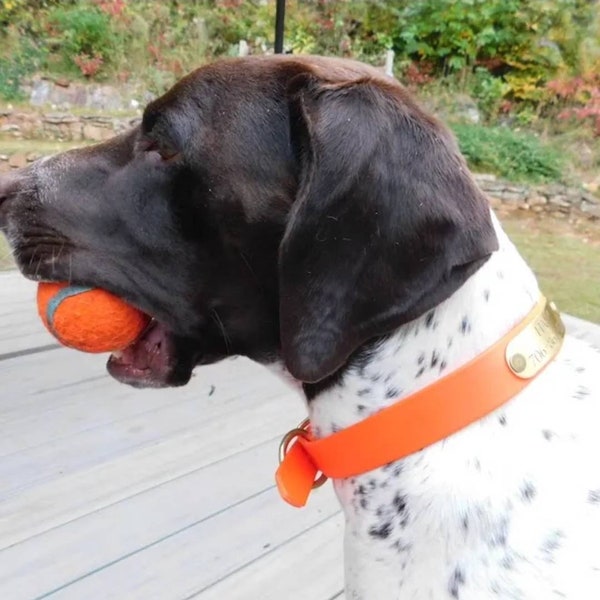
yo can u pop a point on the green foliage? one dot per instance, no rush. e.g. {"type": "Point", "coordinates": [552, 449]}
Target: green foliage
{"type": "Point", "coordinates": [516, 156]}
{"type": "Point", "coordinates": [20, 58]}
{"type": "Point", "coordinates": [84, 34]}
{"type": "Point", "coordinates": [501, 52]}
{"type": "Point", "coordinates": [489, 91]}
{"type": "Point", "coordinates": [461, 33]}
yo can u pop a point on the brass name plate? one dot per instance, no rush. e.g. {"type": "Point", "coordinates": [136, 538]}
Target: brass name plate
{"type": "Point", "coordinates": [534, 347]}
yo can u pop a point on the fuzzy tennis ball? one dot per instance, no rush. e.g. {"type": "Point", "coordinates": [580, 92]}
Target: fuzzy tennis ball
{"type": "Point", "coordinates": [88, 319]}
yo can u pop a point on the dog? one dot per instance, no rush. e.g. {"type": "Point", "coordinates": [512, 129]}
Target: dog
{"type": "Point", "coordinates": [305, 212]}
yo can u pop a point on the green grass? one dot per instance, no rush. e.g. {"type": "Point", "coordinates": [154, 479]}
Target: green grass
{"type": "Point", "coordinates": [516, 156]}
{"type": "Point", "coordinates": [567, 264]}
{"type": "Point", "coordinates": [45, 147]}
{"type": "Point", "coordinates": [6, 261]}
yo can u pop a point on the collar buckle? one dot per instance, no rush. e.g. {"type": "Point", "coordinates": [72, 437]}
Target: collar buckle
{"type": "Point", "coordinates": [297, 474]}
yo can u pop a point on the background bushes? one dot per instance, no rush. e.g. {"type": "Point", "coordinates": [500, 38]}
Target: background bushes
{"type": "Point", "coordinates": [531, 59]}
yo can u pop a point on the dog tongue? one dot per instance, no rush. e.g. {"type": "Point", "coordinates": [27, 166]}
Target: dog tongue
{"type": "Point", "coordinates": [148, 361]}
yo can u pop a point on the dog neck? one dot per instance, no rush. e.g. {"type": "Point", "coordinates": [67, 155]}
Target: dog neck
{"type": "Point", "coordinates": [395, 514]}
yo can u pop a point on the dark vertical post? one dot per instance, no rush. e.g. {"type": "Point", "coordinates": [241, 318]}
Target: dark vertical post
{"type": "Point", "coordinates": [279, 25]}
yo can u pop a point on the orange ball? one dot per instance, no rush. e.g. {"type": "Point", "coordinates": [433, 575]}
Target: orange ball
{"type": "Point", "coordinates": [88, 319]}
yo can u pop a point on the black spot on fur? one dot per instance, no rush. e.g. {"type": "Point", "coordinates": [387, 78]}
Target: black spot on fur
{"type": "Point", "coordinates": [404, 520]}
{"type": "Point", "coordinates": [465, 325]}
{"type": "Point", "coordinates": [395, 467]}
{"type": "Point", "coordinates": [581, 393]}
{"type": "Point", "coordinates": [500, 534]}
{"type": "Point", "coordinates": [465, 523]}
{"type": "Point", "coordinates": [443, 365]}
{"type": "Point", "coordinates": [382, 531]}
{"type": "Point", "coordinates": [594, 496]}
{"type": "Point", "coordinates": [429, 319]}
{"type": "Point", "coordinates": [399, 503]}
{"type": "Point", "coordinates": [551, 544]}
{"type": "Point", "coordinates": [435, 358]}
{"type": "Point", "coordinates": [486, 295]}
{"type": "Point", "coordinates": [548, 435]}
{"type": "Point", "coordinates": [375, 378]}
{"type": "Point", "coordinates": [392, 392]}
{"type": "Point", "coordinates": [457, 580]}
{"type": "Point", "coordinates": [420, 372]}
{"type": "Point", "coordinates": [502, 420]}
{"type": "Point", "coordinates": [528, 491]}
{"type": "Point", "coordinates": [212, 390]}
{"type": "Point", "coordinates": [421, 358]}
{"type": "Point", "coordinates": [401, 546]}
{"type": "Point", "coordinates": [507, 562]}
{"type": "Point", "coordinates": [364, 504]}
{"type": "Point", "coordinates": [361, 408]}
{"type": "Point", "coordinates": [364, 392]}
{"type": "Point", "coordinates": [450, 342]}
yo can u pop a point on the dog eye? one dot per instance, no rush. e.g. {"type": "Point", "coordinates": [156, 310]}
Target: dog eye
{"type": "Point", "coordinates": [165, 152]}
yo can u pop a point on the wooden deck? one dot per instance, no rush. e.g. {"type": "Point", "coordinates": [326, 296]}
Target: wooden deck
{"type": "Point", "coordinates": [108, 492]}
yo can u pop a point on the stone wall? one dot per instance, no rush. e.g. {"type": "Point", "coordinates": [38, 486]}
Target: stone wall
{"type": "Point", "coordinates": [555, 198]}
{"type": "Point", "coordinates": [63, 95]}
{"type": "Point", "coordinates": [62, 126]}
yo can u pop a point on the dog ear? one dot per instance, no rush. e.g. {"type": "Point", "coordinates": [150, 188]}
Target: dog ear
{"type": "Point", "coordinates": [387, 222]}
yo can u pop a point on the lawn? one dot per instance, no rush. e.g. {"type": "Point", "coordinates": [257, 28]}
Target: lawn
{"type": "Point", "coordinates": [5, 255]}
{"type": "Point", "coordinates": [565, 257]}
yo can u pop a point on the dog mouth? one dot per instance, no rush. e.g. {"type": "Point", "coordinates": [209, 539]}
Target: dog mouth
{"type": "Point", "coordinates": [153, 360]}
{"type": "Point", "coordinates": [158, 358]}
{"type": "Point", "coordinates": [150, 361]}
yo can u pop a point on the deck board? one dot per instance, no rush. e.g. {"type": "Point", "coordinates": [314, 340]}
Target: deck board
{"type": "Point", "coordinates": [109, 492]}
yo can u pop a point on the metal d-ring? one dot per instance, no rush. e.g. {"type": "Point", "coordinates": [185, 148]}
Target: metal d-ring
{"type": "Point", "coordinates": [287, 441]}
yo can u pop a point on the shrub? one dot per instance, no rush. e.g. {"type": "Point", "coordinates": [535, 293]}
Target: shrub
{"type": "Point", "coordinates": [510, 154]}
{"type": "Point", "coordinates": [460, 33]}
{"type": "Point", "coordinates": [84, 34]}
{"type": "Point", "coordinates": [489, 92]}
{"type": "Point", "coordinates": [22, 58]}
{"type": "Point", "coordinates": [579, 98]}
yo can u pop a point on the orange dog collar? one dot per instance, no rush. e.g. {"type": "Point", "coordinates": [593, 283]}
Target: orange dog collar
{"type": "Point", "coordinates": [425, 417]}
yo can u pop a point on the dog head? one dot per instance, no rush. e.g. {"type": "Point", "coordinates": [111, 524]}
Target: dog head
{"type": "Point", "coordinates": [280, 208]}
